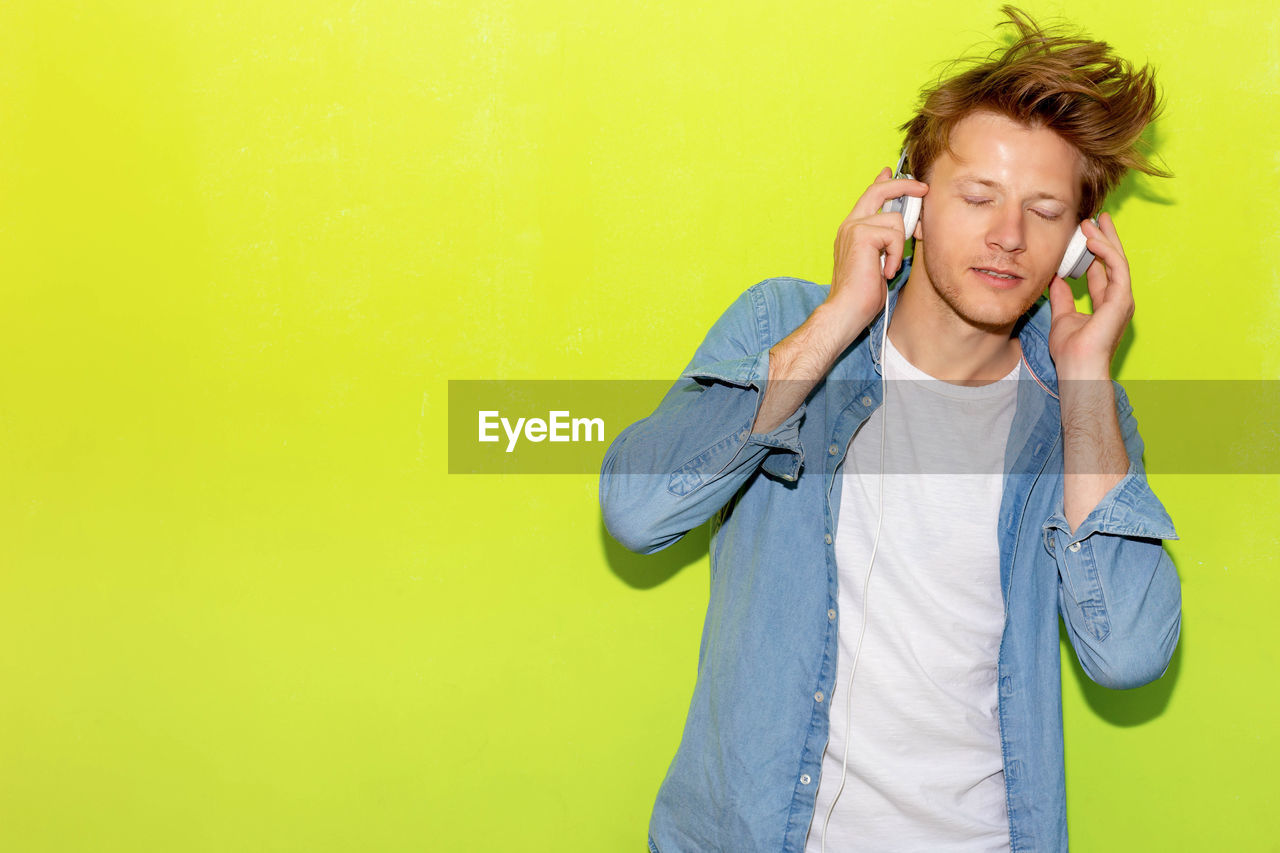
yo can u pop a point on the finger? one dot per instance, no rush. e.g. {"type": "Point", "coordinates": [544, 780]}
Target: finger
{"type": "Point", "coordinates": [881, 191]}
{"type": "Point", "coordinates": [1111, 311]}
{"type": "Point", "coordinates": [880, 232]}
{"type": "Point", "coordinates": [1107, 225]}
{"type": "Point", "coordinates": [1097, 235]}
{"type": "Point", "coordinates": [1096, 275]}
{"type": "Point", "coordinates": [1061, 303]}
{"type": "Point", "coordinates": [860, 243]}
{"type": "Point", "coordinates": [1117, 271]}
{"type": "Point", "coordinates": [892, 258]}
{"type": "Point", "coordinates": [1109, 288]}
{"type": "Point", "coordinates": [887, 219]}
{"type": "Point", "coordinates": [894, 187]}
{"type": "Point", "coordinates": [883, 175]}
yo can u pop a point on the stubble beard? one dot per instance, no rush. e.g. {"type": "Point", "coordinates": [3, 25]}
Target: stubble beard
{"type": "Point", "coordinates": [992, 320]}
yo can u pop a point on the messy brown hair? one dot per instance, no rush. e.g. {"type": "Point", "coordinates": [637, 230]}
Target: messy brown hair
{"type": "Point", "coordinates": [1074, 86]}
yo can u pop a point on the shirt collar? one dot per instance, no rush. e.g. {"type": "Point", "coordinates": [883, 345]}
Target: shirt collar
{"type": "Point", "coordinates": [1032, 330]}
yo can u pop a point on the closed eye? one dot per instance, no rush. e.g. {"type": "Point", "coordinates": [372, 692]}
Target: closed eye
{"type": "Point", "coordinates": [978, 201]}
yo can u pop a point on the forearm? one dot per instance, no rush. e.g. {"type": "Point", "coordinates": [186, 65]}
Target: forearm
{"type": "Point", "coordinates": [802, 359]}
{"type": "Point", "coordinates": [668, 473]}
{"type": "Point", "coordinates": [1118, 591]}
{"type": "Point", "coordinates": [1094, 455]}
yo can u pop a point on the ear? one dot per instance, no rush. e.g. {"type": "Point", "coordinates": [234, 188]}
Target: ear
{"type": "Point", "coordinates": [919, 232]}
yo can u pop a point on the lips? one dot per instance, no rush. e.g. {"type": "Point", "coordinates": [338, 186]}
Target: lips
{"type": "Point", "coordinates": [999, 271]}
{"type": "Point", "coordinates": [998, 280]}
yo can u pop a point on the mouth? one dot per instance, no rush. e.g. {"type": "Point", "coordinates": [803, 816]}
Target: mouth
{"type": "Point", "coordinates": [997, 277]}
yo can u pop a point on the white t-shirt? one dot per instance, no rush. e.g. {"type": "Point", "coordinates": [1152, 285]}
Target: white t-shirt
{"type": "Point", "coordinates": [924, 762]}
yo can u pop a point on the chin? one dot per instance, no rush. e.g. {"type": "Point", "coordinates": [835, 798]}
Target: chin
{"type": "Point", "coordinates": [977, 304]}
{"type": "Point", "coordinates": [991, 311]}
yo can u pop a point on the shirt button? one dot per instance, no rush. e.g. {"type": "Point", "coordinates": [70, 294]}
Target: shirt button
{"type": "Point", "coordinates": [827, 538]}
{"type": "Point", "coordinates": [804, 779]}
{"type": "Point", "coordinates": [831, 614]}
{"type": "Point", "coordinates": [1073, 547]}
{"type": "Point", "coordinates": [866, 399]}
{"type": "Point", "coordinates": [833, 450]}
{"type": "Point", "coordinates": [818, 696]}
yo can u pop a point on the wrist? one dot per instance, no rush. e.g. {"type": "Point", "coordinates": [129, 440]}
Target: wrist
{"type": "Point", "coordinates": [1085, 372]}
{"type": "Point", "coordinates": [839, 324]}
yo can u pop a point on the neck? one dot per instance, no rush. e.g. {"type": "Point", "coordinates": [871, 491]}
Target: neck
{"type": "Point", "coordinates": [931, 336]}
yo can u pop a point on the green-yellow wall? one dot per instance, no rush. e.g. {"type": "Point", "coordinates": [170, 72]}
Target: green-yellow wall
{"type": "Point", "coordinates": [244, 246]}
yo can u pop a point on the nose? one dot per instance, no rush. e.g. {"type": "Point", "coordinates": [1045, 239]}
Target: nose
{"type": "Point", "coordinates": [1006, 230]}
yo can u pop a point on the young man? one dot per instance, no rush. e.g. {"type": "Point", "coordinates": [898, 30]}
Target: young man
{"type": "Point", "coordinates": [908, 487]}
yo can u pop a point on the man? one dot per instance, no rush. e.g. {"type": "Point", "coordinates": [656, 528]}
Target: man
{"type": "Point", "coordinates": [906, 488]}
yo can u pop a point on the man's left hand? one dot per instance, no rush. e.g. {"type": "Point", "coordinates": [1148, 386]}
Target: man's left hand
{"type": "Point", "coordinates": [1082, 345]}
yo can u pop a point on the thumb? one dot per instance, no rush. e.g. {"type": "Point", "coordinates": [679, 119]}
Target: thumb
{"type": "Point", "coordinates": [1061, 302]}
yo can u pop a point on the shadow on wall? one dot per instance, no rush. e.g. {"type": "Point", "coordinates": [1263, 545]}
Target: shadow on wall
{"type": "Point", "coordinates": [1128, 707]}
{"type": "Point", "coordinates": [645, 571]}
{"type": "Point", "coordinates": [1134, 185]}
{"type": "Point", "coordinates": [1118, 707]}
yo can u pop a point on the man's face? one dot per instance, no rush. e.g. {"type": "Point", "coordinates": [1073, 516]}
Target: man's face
{"type": "Point", "coordinates": [1005, 202]}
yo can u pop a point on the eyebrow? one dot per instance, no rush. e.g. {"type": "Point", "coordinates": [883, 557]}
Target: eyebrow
{"type": "Point", "coordinates": [996, 185]}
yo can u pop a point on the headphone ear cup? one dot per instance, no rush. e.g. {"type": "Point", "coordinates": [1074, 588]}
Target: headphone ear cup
{"type": "Point", "coordinates": [1077, 257]}
{"type": "Point", "coordinates": [908, 205]}
{"type": "Point", "coordinates": [911, 206]}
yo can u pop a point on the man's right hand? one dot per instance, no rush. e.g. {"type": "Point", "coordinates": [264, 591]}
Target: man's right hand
{"type": "Point", "coordinates": [859, 284]}
{"type": "Point", "coordinates": [858, 291]}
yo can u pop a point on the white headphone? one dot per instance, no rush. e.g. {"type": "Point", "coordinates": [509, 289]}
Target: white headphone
{"type": "Point", "coordinates": [1074, 262]}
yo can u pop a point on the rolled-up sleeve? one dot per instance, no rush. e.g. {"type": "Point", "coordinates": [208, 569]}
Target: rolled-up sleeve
{"type": "Point", "coordinates": [666, 474]}
{"type": "Point", "coordinates": [1118, 589]}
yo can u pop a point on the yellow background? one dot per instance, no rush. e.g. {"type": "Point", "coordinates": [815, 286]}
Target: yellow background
{"type": "Point", "coordinates": [245, 245]}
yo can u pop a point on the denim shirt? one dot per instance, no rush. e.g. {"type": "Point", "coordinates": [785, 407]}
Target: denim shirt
{"type": "Point", "coordinates": [746, 772]}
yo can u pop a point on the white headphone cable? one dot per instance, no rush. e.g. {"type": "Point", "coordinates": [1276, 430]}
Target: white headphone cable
{"type": "Point", "coordinates": [866, 582]}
